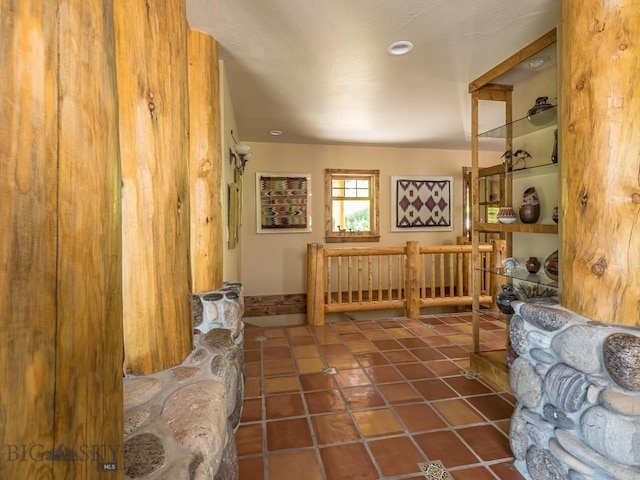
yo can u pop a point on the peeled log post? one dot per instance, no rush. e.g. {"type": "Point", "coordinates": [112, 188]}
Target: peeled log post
{"type": "Point", "coordinates": [600, 160]}
{"type": "Point", "coordinates": [315, 284]}
{"type": "Point", "coordinates": [412, 280]}
{"type": "Point", "coordinates": [151, 54]}
{"type": "Point", "coordinates": [89, 407]}
{"type": "Point", "coordinates": [205, 163]}
{"type": "Point", "coordinates": [61, 300]}
{"type": "Point", "coordinates": [28, 244]}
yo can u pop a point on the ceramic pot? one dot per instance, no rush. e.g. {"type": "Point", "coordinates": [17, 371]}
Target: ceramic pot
{"type": "Point", "coordinates": [551, 265]}
{"type": "Point", "coordinates": [505, 298]}
{"type": "Point", "coordinates": [554, 215]}
{"type": "Point", "coordinates": [538, 114]}
{"type": "Point", "coordinates": [506, 215]}
{"type": "Point", "coordinates": [529, 213]}
{"type": "Point", "coordinates": [530, 197]}
{"type": "Point", "coordinates": [533, 265]}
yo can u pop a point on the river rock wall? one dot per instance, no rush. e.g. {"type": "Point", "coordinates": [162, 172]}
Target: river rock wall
{"type": "Point", "coordinates": [577, 384]}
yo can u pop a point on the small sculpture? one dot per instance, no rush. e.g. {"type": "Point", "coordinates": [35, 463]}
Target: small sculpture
{"type": "Point", "coordinates": [511, 159]}
{"type": "Point", "coordinates": [510, 264]}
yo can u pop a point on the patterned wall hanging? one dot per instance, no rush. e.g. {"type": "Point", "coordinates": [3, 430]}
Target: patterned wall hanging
{"type": "Point", "coordinates": [421, 203]}
{"type": "Point", "coordinates": [283, 202]}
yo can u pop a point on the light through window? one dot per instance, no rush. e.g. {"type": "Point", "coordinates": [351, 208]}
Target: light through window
{"type": "Point", "coordinates": [352, 204]}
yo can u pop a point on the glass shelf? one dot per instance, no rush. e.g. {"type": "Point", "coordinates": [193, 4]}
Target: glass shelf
{"type": "Point", "coordinates": [523, 126]}
{"type": "Point", "coordinates": [521, 274]}
{"type": "Point", "coordinates": [543, 169]}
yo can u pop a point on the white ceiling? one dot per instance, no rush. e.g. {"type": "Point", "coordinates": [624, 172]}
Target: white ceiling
{"type": "Point", "coordinates": [318, 70]}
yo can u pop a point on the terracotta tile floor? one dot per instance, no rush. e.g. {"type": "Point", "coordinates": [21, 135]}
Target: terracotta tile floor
{"type": "Point", "coordinates": [398, 397]}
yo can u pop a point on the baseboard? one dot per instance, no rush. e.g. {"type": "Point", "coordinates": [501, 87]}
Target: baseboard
{"type": "Point", "coordinates": [269, 305]}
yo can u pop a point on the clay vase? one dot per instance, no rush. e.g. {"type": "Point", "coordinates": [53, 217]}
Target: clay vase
{"type": "Point", "coordinates": [505, 298]}
{"type": "Point", "coordinates": [529, 213]}
{"type": "Point", "coordinates": [551, 265]}
{"type": "Point", "coordinates": [533, 265]}
{"type": "Point", "coordinates": [554, 214]}
{"type": "Point", "coordinates": [530, 197]}
{"type": "Point", "coordinates": [506, 215]}
{"type": "Point", "coordinates": [538, 114]}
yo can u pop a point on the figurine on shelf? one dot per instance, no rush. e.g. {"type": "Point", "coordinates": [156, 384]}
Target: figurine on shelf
{"type": "Point", "coordinates": [554, 152]}
{"type": "Point", "coordinates": [510, 264]}
{"type": "Point", "coordinates": [512, 159]}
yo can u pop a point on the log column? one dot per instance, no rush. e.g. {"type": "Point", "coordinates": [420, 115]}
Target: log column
{"type": "Point", "coordinates": [600, 160]}
{"type": "Point", "coordinates": [151, 55]}
{"type": "Point", "coordinates": [205, 163]}
{"type": "Point", "coordinates": [60, 247]}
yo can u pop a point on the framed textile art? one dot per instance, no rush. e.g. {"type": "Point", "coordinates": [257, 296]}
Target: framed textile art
{"type": "Point", "coordinates": [421, 203]}
{"type": "Point", "coordinates": [283, 202]}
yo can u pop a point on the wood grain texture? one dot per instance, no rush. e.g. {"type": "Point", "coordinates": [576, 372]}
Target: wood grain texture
{"type": "Point", "coordinates": [600, 160]}
{"type": "Point", "coordinates": [28, 244]}
{"type": "Point", "coordinates": [205, 163]}
{"type": "Point", "coordinates": [151, 55]}
{"type": "Point", "coordinates": [60, 256]}
{"type": "Point", "coordinates": [89, 408]}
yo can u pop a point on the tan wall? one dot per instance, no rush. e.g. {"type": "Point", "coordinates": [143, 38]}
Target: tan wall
{"type": "Point", "coordinates": [231, 261]}
{"type": "Point", "coordinates": [276, 263]}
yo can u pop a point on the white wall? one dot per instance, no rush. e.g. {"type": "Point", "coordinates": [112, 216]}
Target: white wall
{"type": "Point", "coordinates": [275, 263]}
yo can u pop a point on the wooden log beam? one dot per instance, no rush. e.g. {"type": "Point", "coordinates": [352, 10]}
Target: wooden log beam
{"type": "Point", "coordinates": [28, 244]}
{"type": "Point", "coordinates": [600, 160]}
{"type": "Point", "coordinates": [315, 284]}
{"type": "Point", "coordinates": [412, 280]}
{"type": "Point", "coordinates": [205, 162]}
{"type": "Point", "coordinates": [61, 300]}
{"type": "Point", "coordinates": [151, 54]}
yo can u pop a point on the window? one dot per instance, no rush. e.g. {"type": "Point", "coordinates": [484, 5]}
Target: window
{"type": "Point", "coordinates": [352, 205]}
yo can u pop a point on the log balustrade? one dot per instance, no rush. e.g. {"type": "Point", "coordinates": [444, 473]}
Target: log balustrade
{"type": "Point", "coordinates": [408, 277]}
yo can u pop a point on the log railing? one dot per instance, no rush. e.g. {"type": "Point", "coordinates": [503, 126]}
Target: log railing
{"type": "Point", "coordinates": [409, 277]}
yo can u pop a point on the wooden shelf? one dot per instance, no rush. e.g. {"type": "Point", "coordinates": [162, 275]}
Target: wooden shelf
{"type": "Point", "coordinates": [515, 227]}
{"type": "Point", "coordinates": [492, 368]}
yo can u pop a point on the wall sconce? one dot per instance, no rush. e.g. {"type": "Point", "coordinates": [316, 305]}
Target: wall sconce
{"type": "Point", "coordinates": [239, 154]}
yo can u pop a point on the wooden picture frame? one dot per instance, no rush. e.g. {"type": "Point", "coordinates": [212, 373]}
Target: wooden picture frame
{"type": "Point", "coordinates": [283, 202]}
{"type": "Point", "coordinates": [421, 203]}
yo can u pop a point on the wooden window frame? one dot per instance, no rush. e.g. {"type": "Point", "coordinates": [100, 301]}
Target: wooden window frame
{"type": "Point", "coordinates": [348, 237]}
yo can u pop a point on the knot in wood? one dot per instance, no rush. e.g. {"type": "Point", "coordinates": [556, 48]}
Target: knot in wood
{"type": "Point", "coordinates": [571, 128]}
{"type": "Point", "coordinates": [152, 106]}
{"type": "Point", "coordinates": [635, 198]}
{"type": "Point", "coordinates": [623, 46]}
{"type": "Point", "coordinates": [598, 268]}
{"type": "Point", "coordinates": [584, 198]}
{"type": "Point", "coordinates": [580, 85]}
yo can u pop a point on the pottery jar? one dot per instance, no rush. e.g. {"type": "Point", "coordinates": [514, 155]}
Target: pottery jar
{"type": "Point", "coordinates": [533, 265]}
{"type": "Point", "coordinates": [506, 215]}
{"type": "Point", "coordinates": [529, 213]}
{"type": "Point", "coordinates": [505, 298]}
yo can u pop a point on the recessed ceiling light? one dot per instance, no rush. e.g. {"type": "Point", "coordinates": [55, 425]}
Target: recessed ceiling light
{"type": "Point", "coordinates": [275, 133]}
{"type": "Point", "coordinates": [401, 47]}
{"type": "Point", "coordinates": [537, 62]}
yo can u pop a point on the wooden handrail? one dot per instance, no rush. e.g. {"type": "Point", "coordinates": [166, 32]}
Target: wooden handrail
{"type": "Point", "coordinates": [411, 277]}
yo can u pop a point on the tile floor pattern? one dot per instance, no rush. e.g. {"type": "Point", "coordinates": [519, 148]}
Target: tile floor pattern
{"type": "Point", "coordinates": [399, 398]}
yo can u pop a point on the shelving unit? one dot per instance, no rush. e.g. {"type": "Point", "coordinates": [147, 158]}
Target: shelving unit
{"type": "Point", "coordinates": [493, 187]}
